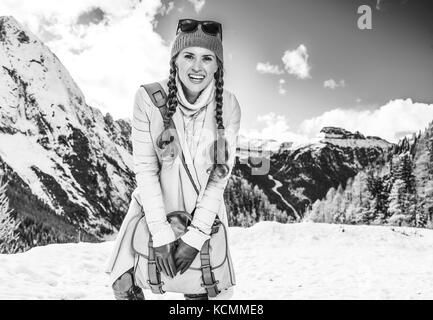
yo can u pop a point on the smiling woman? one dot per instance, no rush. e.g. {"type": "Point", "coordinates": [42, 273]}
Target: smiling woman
{"type": "Point", "coordinates": [183, 154]}
{"type": "Point", "coordinates": [196, 67]}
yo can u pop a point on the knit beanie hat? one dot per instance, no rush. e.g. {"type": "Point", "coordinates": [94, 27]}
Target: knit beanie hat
{"type": "Point", "coordinates": [197, 38]}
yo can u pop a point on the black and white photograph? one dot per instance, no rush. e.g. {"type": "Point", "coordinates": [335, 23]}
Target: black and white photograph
{"type": "Point", "coordinates": [216, 150]}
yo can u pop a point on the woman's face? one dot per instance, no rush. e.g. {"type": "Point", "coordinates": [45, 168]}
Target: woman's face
{"type": "Point", "coordinates": [196, 67]}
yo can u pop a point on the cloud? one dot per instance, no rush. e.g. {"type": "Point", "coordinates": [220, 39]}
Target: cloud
{"type": "Point", "coordinates": [268, 68]}
{"type": "Point", "coordinates": [275, 127]}
{"type": "Point", "coordinates": [198, 4]}
{"type": "Point", "coordinates": [391, 121]}
{"type": "Point", "coordinates": [94, 15]}
{"type": "Point", "coordinates": [332, 84]}
{"type": "Point", "coordinates": [296, 62]}
{"type": "Point", "coordinates": [281, 89]}
{"type": "Point", "coordinates": [110, 55]}
{"type": "Point", "coordinates": [166, 8]}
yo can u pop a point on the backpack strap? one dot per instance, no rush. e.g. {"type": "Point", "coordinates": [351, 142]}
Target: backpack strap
{"type": "Point", "coordinates": [154, 281]}
{"type": "Point", "coordinates": [207, 275]}
{"type": "Point", "coordinates": [159, 99]}
{"type": "Point", "coordinates": [156, 94]}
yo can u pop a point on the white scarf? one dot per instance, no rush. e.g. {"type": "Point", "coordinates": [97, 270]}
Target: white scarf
{"type": "Point", "coordinates": [204, 98]}
{"type": "Point", "coordinates": [194, 112]}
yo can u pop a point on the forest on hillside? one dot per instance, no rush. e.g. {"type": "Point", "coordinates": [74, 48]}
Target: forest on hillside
{"type": "Point", "coordinates": [399, 193]}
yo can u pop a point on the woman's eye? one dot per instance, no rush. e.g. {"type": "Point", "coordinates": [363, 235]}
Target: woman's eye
{"type": "Point", "coordinates": [188, 56]}
{"type": "Point", "coordinates": [207, 59]}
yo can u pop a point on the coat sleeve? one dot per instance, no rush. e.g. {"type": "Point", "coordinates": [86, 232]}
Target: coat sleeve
{"type": "Point", "coordinates": [146, 169]}
{"type": "Point", "coordinates": [213, 196]}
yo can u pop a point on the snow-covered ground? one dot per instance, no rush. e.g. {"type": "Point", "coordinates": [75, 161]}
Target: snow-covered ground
{"type": "Point", "coordinates": [272, 261]}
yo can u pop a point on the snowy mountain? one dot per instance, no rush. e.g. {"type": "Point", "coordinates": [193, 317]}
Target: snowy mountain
{"type": "Point", "coordinates": [271, 260]}
{"type": "Point", "coordinates": [59, 153]}
{"type": "Point", "coordinates": [344, 138]}
{"type": "Point", "coordinates": [248, 146]}
{"type": "Point", "coordinates": [333, 135]}
{"type": "Point", "coordinates": [299, 176]}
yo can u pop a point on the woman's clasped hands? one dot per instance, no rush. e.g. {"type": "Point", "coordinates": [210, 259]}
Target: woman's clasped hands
{"type": "Point", "coordinates": [174, 256]}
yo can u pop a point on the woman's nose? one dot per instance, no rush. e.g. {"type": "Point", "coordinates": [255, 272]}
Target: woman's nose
{"type": "Point", "coordinates": [196, 66]}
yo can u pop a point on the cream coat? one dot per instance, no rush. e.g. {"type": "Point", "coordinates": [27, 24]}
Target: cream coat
{"type": "Point", "coordinates": [163, 187]}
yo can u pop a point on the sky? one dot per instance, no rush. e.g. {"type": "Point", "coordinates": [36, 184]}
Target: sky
{"type": "Point", "coordinates": [294, 66]}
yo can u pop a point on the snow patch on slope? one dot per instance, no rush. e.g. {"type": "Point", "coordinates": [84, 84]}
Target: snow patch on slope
{"type": "Point", "coordinates": [21, 152]}
{"type": "Point", "coordinates": [358, 143]}
{"type": "Point", "coordinates": [277, 185]}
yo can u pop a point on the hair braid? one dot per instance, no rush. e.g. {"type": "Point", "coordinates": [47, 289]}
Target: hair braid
{"type": "Point", "coordinates": [220, 153]}
{"type": "Point", "coordinates": [167, 135]}
{"type": "Point", "coordinates": [172, 93]}
{"type": "Point", "coordinates": [219, 83]}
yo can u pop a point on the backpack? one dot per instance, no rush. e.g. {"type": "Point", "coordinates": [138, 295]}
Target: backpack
{"type": "Point", "coordinates": [212, 269]}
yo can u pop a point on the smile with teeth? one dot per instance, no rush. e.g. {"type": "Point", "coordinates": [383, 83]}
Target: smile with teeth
{"type": "Point", "coordinates": [196, 77]}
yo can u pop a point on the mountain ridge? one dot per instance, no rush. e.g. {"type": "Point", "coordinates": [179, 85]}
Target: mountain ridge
{"type": "Point", "coordinates": [74, 158]}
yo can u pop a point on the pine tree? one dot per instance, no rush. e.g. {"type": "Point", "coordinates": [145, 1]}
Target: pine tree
{"type": "Point", "coordinates": [357, 198]}
{"type": "Point", "coordinates": [347, 202]}
{"type": "Point", "coordinates": [338, 206]}
{"type": "Point", "coordinates": [430, 155]}
{"type": "Point", "coordinates": [363, 199]}
{"type": "Point", "coordinates": [8, 225]}
{"type": "Point", "coordinates": [396, 203]}
{"type": "Point", "coordinates": [328, 208]}
{"type": "Point", "coordinates": [405, 173]}
{"type": "Point", "coordinates": [350, 213]}
{"type": "Point", "coordinates": [409, 195]}
{"type": "Point", "coordinates": [377, 188]}
{"type": "Point", "coordinates": [425, 214]}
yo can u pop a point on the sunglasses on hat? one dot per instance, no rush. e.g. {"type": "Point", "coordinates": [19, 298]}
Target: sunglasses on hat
{"type": "Point", "coordinates": [212, 28]}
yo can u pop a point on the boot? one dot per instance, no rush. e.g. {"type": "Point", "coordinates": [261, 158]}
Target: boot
{"type": "Point", "coordinates": [125, 289]}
